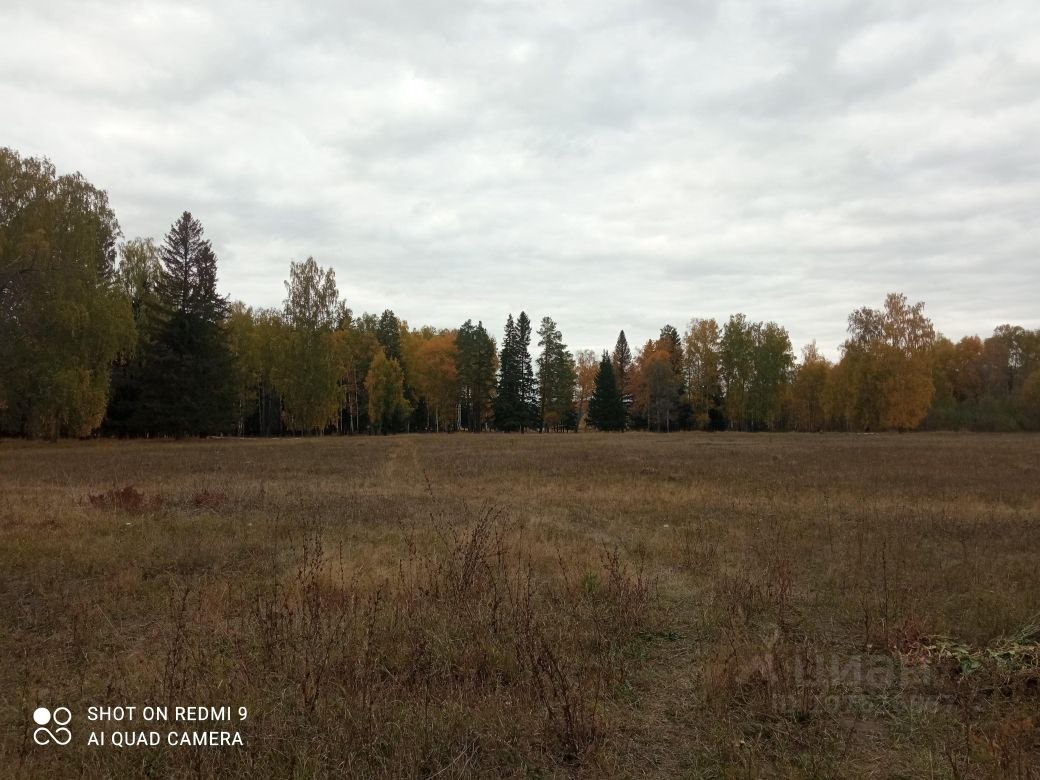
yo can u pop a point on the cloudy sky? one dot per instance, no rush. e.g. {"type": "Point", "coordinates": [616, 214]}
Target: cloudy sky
{"type": "Point", "coordinates": [611, 164]}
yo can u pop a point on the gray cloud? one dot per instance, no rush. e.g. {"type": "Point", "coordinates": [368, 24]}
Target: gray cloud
{"type": "Point", "coordinates": [613, 164]}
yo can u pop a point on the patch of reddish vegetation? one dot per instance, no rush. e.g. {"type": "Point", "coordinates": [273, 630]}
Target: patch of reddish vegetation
{"type": "Point", "coordinates": [127, 500]}
{"type": "Point", "coordinates": [207, 499]}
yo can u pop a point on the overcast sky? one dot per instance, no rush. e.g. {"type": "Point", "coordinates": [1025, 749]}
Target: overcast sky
{"type": "Point", "coordinates": [611, 164]}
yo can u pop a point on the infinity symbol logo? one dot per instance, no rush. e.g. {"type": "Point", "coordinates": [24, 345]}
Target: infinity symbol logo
{"type": "Point", "coordinates": [61, 717]}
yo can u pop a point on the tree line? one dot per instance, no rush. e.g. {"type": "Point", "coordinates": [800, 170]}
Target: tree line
{"type": "Point", "coordinates": [131, 338]}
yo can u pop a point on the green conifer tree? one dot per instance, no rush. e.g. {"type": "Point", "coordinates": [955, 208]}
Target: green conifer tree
{"type": "Point", "coordinates": [606, 408]}
{"type": "Point", "coordinates": [475, 362]}
{"type": "Point", "coordinates": [528, 386]}
{"type": "Point", "coordinates": [508, 403]}
{"type": "Point", "coordinates": [187, 383]}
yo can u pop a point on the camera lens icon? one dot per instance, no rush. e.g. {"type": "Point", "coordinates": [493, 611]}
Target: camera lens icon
{"type": "Point", "coordinates": [61, 717]}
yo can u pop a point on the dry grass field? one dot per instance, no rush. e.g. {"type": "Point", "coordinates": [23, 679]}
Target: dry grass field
{"type": "Point", "coordinates": [503, 605]}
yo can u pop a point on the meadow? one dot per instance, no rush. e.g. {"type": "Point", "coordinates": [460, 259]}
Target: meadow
{"type": "Point", "coordinates": [696, 605]}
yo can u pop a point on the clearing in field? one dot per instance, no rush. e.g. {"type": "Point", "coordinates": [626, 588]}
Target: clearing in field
{"type": "Point", "coordinates": [528, 605]}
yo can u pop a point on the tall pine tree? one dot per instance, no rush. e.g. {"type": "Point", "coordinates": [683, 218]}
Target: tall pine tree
{"type": "Point", "coordinates": [556, 378]}
{"type": "Point", "coordinates": [516, 404]}
{"type": "Point", "coordinates": [622, 363]}
{"type": "Point", "coordinates": [606, 409]}
{"type": "Point", "coordinates": [475, 361]}
{"type": "Point", "coordinates": [187, 378]}
{"type": "Point", "coordinates": [508, 405]}
{"type": "Point", "coordinates": [528, 386]}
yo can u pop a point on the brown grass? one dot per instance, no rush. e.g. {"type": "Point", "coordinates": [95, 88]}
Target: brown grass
{"type": "Point", "coordinates": [698, 605]}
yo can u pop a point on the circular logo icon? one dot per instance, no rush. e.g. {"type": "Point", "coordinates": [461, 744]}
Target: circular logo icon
{"type": "Point", "coordinates": [61, 717]}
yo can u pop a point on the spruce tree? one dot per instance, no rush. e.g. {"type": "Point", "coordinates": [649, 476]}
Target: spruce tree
{"type": "Point", "coordinates": [528, 388]}
{"type": "Point", "coordinates": [516, 404]}
{"type": "Point", "coordinates": [622, 363]}
{"type": "Point", "coordinates": [187, 378]}
{"type": "Point", "coordinates": [606, 408]}
{"type": "Point", "coordinates": [508, 404]}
